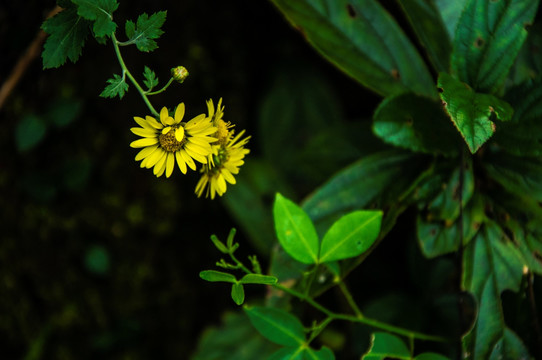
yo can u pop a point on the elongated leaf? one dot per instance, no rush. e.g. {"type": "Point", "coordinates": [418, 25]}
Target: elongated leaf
{"type": "Point", "coordinates": [295, 231]}
{"type": "Point", "coordinates": [425, 19]}
{"type": "Point", "coordinates": [364, 41]}
{"type": "Point", "coordinates": [217, 276]}
{"type": "Point", "coordinates": [351, 235]}
{"type": "Point", "coordinates": [277, 325]}
{"type": "Point", "coordinates": [238, 293]}
{"type": "Point", "coordinates": [450, 11]}
{"type": "Point", "coordinates": [258, 279]}
{"type": "Point", "coordinates": [470, 112]}
{"type": "Point", "coordinates": [416, 123]}
{"type": "Point", "coordinates": [523, 135]}
{"type": "Point", "coordinates": [488, 39]}
{"type": "Point", "coordinates": [384, 345]}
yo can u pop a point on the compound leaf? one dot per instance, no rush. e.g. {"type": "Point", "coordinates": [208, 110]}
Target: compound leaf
{"type": "Point", "coordinates": [117, 87]}
{"type": "Point", "coordinates": [146, 30]}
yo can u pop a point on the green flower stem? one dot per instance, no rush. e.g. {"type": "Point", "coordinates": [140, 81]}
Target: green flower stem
{"type": "Point", "coordinates": [350, 299]}
{"type": "Point", "coordinates": [162, 89]}
{"type": "Point", "coordinates": [239, 264]}
{"type": "Point", "coordinates": [132, 79]}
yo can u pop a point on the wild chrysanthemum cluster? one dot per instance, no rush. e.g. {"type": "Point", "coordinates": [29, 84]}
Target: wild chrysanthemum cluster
{"type": "Point", "coordinates": [206, 139]}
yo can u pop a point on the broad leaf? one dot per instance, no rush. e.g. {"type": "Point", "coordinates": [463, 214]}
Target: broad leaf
{"type": "Point", "coordinates": [99, 11]}
{"type": "Point", "coordinates": [67, 35]}
{"type": "Point", "coordinates": [238, 293]}
{"type": "Point", "coordinates": [117, 87]}
{"type": "Point", "coordinates": [425, 19]}
{"type": "Point", "coordinates": [323, 354]}
{"type": "Point", "coordinates": [303, 353]}
{"type": "Point", "coordinates": [509, 346]}
{"type": "Point", "coordinates": [364, 41]}
{"type": "Point", "coordinates": [351, 235]}
{"type": "Point", "coordinates": [295, 231]}
{"type": "Point", "coordinates": [450, 11]}
{"type": "Point", "coordinates": [277, 325]}
{"type": "Point", "coordinates": [384, 345]}
{"type": "Point", "coordinates": [258, 279]}
{"type": "Point", "coordinates": [416, 123]}
{"type": "Point", "coordinates": [217, 276]}
{"type": "Point", "coordinates": [488, 38]}
{"type": "Point", "coordinates": [288, 353]}
{"type": "Point", "coordinates": [470, 111]}
{"type": "Point", "coordinates": [147, 29]}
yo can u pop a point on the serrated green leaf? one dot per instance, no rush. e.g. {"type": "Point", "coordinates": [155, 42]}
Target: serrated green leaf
{"type": "Point", "coordinates": [470, 111]}
{"type": "Point", "coordinates": [295, 230]}
{"type": "Point", "coordinates": [425, 19]}
{"type": "Point", "coordinates": [488, 38]}
{"type": "Point", "coordinates": [258, 279]}
{"type": "Point", "coordinates": [67, 35]}
{"type": "Point", "coordinates": [217, 276]}
{"type": "Point", "coordinates": [146, 30]}
{"type": "Point", "coordinates": [29, 132]}
{"type": "Point", "coordinates": [384, 345]}
{"type": "Point", "coordinates": [363, 40]}
{"type": "Point", "coordinates": [117, 87]}
{"type": "Point", "coordinates": [351, 235]}
{"type": "Point", "coordinates": [150, 78]}
{"type": "Point", "coordinates": [416, 123]}
{"type": "Point", "coordinates": [99, 11]}
{"type": "Point", "coordinates": [238, 293]}
{"type": "Point", "coordinates": [277, 325]}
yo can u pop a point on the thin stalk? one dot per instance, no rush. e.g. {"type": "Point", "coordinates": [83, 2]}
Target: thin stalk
{"type": "Point", "coordinates": [350, 299]}
{"type": "Point", "coordinates": [132, 79]}
{"type": "Point", "coordinates": [161, 90]}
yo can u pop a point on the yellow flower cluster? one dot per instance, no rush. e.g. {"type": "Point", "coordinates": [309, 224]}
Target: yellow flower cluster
{"type": "Point", "coordinates": [207, 139]}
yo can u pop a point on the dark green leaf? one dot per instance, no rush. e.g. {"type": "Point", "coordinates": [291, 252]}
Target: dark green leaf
{"type": "Point", "coordinates": [509, 346]}
{"type": "Point", "coordinates": [277, 325]}
{"type": "Point", "coordinates": [471, 112]}
{"type": "Point", "coordinates": [99, 11]}
{"type": "Point", "coordinates": [117, 87]}
{"type": "Point", "coordinates": [489, 36]}
{"type": "Point", "coordinates": [150, 78]}
{"type": "Point", "coordinates": [384, 345]}
{"type": "Point", "coordinates": [288, 353]}
{"type": "Point", "coordinates": [258, 279]}
{"type": "Point", "coordinates": [146, 30]}
{"type": "Point", "coordinates": [450, 12]}
{"type": "Point", "coordinates": [238, 293]}
{"type": "Point", "coordinates": [351, 235]}
{"type": "Point", "coordinates": [29, 132]}
{"type": "Point", "coordinates": [323, 354]}
{"type": "Point", "coordinates": [295, 231]}
{"type": "Point", "coordinates": [364, 41]}
{"type": "Point", "coordinates": [523, 135]}
{"type": "Point", "coordinates": [416, 123]}
{"type": "Point", "coordinates": [67, 35]}
{"type": "Point", "coordinates": [425, 19]}
{"type": "Point", "coordinates": [217, 276]}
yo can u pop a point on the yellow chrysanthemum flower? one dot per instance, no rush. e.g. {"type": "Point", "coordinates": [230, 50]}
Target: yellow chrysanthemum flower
{"type": "Point", "coordinates": [171, 139]}
{"type": "Point", "coordinates": [224, 164]}
{"type": "Point", "coordinates": [223, 133]}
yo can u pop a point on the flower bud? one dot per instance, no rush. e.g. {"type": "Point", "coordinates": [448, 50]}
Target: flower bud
{"type": "Point", "coordinates": [179, 73]}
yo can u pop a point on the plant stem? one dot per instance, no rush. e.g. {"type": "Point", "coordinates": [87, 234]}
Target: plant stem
{"type": "Point", "coordinates": [350, 299]}
{"type": "Point", "coordinates": [132, 79]}
{"type": "Point", "coordinates": [239, 263]}
{"type": "Point", "coordinates": [162, 89]}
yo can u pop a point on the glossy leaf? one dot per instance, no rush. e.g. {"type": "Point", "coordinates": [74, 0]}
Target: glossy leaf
{"type": "Point", "coordinates": [295, 231]}
{"type": "Point", "coordinates": [258, 279]}
{"type": "Point", "coordinates": [450, 11]}
{"type": "Point", "coordinates": [277, 325]}
{"type": "Point", "coordinates": [217, 276]}
{"type": "Point", "coordinates": [363, 40]}
{"type": "Point", "coordinates": [488, 38]}
{"type": "Point", "coordinates": [470, 111]}
{"type": "Point", "coordinates": [384, 345]}
{"type": "Point", "coordinates": [416, 123]}
{"type": "Point", "coordinates": [351, 235]}
{"type": "Point", "coordinates": [238, 293]}
{"type": "Point", "coordinates": [425, 19]}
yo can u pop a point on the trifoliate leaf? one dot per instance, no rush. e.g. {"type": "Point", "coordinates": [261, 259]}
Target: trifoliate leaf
{"type": "Point", "coordinates": [150, 78]}
{"type": "Point", "coordinates": [67, 34]}
{"type": "Point", "coordinates": [99, 11]}
{"type": "Point", "coordinates": [117, 86]}
{"type": "Point", "coordinates": [146, 29]}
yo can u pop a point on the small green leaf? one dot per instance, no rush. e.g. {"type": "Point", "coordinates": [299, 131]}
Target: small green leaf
{"type": "Point", "coordinates": [324, 353]}
{"type": "Point", "coordinates": [384, 345]}
{"type": "Point", "coordinates": [488, 38]}
{"type": "Point", "coordinates": [238, 293]}
{"type": "Point", "coordinates": [277, 325]}
{"type": "Point", "coordinates": [146, 30]}
{"type": "Point", "coordinates": [258, 279]}
{"type": "Point", "coordinates": [29, 132]}
{"type": "Point", "coordinates": [217, 276]}
{"type": "Point", "coordinates": [351, 235]}
{"type": "Point", "coordinates": [117, 87]}
{"type": "Point", "coordinates": [99, 11]}
{"type": "Point", "coordinates": [219, 245]}
{"type": "Point", "coordinates": [416, 123]}
{"type": "Point", "coordinates": [295, 230]}
{"type": "Point", "coordinates": [150, 78]}
{"type": "Point", "coordinates": [470, 112]}
{"type": "Point", "coordinates": [67, 35]}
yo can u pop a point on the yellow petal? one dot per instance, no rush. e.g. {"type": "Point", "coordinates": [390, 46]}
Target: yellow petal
{"type": "Point", "coordinates": [164, 114]}
{"type": "Point", "coordinates": [141, 122]}
{"type": "Point", "coordinates": [166, 130]}
{"type": "Point", "coordinates": [221, 185]}
{"type": "Point", "coordinates": [179, 113]}
{"type": "Point", "coordinates": [201, 185]}
{"type": "Point", "coordinates": [170, 164]}
{"type": "Point", "coordinates": [144, 132]}
{"type": "Point", "coordinates": [180, 162]}
{"type": "Point", "coordinates": [144, 142]}
{"type": "Point", "coordinates": [188, 160]}
{"type": "Point", "coordinates": [154, 158]}
{"type": "Point", "coordinates": [202, 150]}
{"type": "Point", "coordinates": [155, 124]}
{"type": "Point", "coordinates": [179, 134]}
{"type": "Point", "coordinates": [202, 159]}
{"type": "Point", "coordinates": [161, 171]}
{"type": "Point", "coordinates": [145, 152]}
{"type": "Point", "coordinates": [227, 176]}
{"type": "Point", "coordinates": [161, 163]}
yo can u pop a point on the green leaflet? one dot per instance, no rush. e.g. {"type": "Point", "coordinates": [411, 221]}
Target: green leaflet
{"type": "Point", "coordinates": [99, 11]}
{"type": "Point", "coordinates": [117, 86]}
{"type": "Point", "coordinates": [470, 111]}
{"type": "Point", "coordinates": [488, 38]}
{"type": "Point", "coordinates": [277, 325]}
{"type": "Point", "coordinates": [417, 123]}
{"type": "Point", "coordinates": [363, 40]}
{"type": "Point", "coordinates": [387, 346]}
{"type": "Point", "coordinates": [147, 29]}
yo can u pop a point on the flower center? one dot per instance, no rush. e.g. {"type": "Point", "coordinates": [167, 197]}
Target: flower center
{"type": "Point", "coordinates": [169, 142]}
